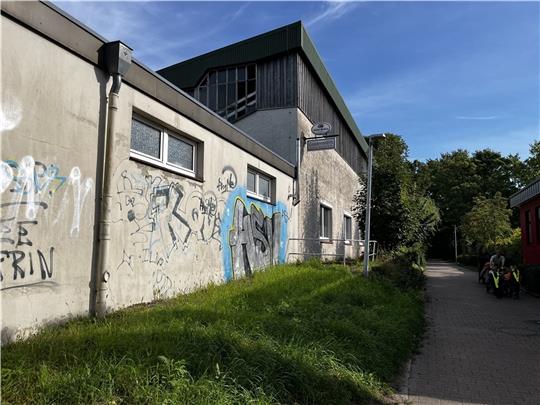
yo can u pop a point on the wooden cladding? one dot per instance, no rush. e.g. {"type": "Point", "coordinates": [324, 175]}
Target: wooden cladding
{"type": "Point", "coordinates": [287, 81]}
{"type": "Point", "coordinates": [277, 84]}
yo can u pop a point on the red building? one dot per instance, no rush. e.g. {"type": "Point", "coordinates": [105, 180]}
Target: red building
{"type": "Point", "coordinates": [528, 201]}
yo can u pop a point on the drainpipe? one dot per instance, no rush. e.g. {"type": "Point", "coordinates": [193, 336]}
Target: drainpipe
{"type": "Point", "coordinates": [117, 59]}
{"type": "Point", "coordinates": [299, 146]}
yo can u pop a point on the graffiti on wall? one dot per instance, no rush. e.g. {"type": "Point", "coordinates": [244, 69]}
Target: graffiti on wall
{"type": "Point", "coordinates": [255, 233]}
{"type": "Point", "coordinates": [163, 218]}
{"type": "Point", "coordinates": [227, 181]}
{"type": "Point", "coordinates": [30, 192]}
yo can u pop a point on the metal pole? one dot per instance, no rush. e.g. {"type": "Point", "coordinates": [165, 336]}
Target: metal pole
{"type": "Point", "coordinates": [455, 242]}
{"type": "Point", "coordinates": [368, 209]}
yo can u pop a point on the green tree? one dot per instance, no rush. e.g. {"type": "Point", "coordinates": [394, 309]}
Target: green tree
{"type": "Point", "coordinates": [531, 167]}
{"type": "Point", "coordinates": [452, 182]}
{"type": "Point", "coordinates": [401, 215]}
{"type": "Point", "coordinates": [487, 222]}
{"type": "Point", "coordinates": [497, 173]}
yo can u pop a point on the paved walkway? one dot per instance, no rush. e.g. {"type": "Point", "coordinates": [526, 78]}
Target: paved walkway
{"type": "Point", "coordinates": [478, 349]}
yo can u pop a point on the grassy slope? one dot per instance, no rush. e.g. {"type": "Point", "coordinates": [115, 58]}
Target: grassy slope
{"type": "Point", "coordinates": [304, 334]}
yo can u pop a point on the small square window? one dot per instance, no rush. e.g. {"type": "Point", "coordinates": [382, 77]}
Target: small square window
{"type": "Point", "coordinates": [259, 185]}
{"type": "Point", "coordinates": [155, 145]}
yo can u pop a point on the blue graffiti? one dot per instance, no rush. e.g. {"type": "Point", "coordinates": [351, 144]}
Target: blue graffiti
{"type": "Point", "coordinates": [43, 178]}
{"type": "Point", "coordinates": [253, 234]}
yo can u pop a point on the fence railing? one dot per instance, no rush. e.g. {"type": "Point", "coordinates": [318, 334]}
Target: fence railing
{"type": "Point", "coordinates": [353, 244]}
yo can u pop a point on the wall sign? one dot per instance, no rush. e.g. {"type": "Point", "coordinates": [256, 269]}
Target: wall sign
{"type": "Point", "coordinates": [321, 128]}
{"type": "Point", "coordinates": [321, 143]}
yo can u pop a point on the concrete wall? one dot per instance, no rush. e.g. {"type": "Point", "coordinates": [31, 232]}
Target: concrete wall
{"type": "Point", "coordinates": [325, 178]}
{"type": "Point", "coordinates": [170, 234]}
{"type": "Point", "coordinates": [275, 129]}
{"type": "Point", "coordinates": [49, 143]}
{"type": "Point", "coordinates": [173, 234]}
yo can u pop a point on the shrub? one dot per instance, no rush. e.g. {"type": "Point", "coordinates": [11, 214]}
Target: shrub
{"type": "Point", "coordinates": [405, 268]}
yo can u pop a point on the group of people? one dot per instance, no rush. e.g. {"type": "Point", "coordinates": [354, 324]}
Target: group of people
{"type": "Point", "coordinates": [500, 279]}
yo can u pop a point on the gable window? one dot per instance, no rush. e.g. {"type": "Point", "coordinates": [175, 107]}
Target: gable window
{"type": "Point", "coordinates": [325, 221]}
{"type": "Point", "coordinates": [153, 144]}
{"type": "Point", "coordinates": [231, 92]}
{"type": "Point", "coordinates": [347, 228]}
{"type": "Point", "coordinates": [259, 185]}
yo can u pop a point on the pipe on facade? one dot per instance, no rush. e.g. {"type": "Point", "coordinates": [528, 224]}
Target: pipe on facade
{"type": "Point", "coordinates": [117, 59]}
{"type": "Point", "coordinates": [297, 173]}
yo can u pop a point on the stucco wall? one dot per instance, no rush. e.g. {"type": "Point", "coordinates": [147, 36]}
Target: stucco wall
{"type": "Point", "coordinates": [170, 234]}
{"type": "Point", "coordinates": [173, 234]}
{"type": "Point", "coordinates": [51, 108]}
{"type": "Point", "coordinates": [326, 178]}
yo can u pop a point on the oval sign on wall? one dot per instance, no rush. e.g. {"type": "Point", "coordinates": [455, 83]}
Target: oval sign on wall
{"type": "Point", "coordinates": [321, 128]}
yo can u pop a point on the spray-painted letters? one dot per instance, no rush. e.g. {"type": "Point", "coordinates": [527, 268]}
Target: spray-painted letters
{"type": "Point", "coordinates": [255, 233]}
{"type": "Point", "coordinates": [29, 196]}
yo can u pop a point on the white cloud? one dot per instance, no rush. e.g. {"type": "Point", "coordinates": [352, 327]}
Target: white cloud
{"type": "Point", "coordinates": [157, 40]}
{"type": "Point", "coordinates": [478, 117]}
{"type": "Point", "coordinates": [333, 10]}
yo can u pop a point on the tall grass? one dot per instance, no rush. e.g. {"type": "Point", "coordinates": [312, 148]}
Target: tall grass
{"type": "Point", "coordinates": [307, 334]}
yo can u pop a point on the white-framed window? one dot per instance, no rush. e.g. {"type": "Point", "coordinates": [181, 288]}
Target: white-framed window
{"type": "Point", "coordinates": [259, 185]}
{"type": "Point", "coordinates": [347, 228]}
{"type": "Point", "coordinates": [156, 145]}
{"type": "Point", "coordinates": [326, 221]}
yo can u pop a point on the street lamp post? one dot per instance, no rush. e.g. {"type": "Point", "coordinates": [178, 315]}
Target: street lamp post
{"type": "Point", "coordinates": [370, 139]}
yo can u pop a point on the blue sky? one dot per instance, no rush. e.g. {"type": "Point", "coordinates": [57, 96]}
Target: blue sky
{"type": "Point", "coordinates": [444, 75]}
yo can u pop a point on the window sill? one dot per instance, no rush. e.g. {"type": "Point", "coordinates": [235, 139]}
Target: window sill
{"type": "Point", "coordinates": [166, 168]}
{"type": "Point", "coordinates": [348, 242]}
{"type": "Point", "coordinates": [259, 198]}
{"type": "Point", "coordinates": [325, 240]}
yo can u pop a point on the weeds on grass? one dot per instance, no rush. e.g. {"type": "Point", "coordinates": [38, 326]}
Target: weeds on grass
{"type": "Point", "coordinates": [306, 333]}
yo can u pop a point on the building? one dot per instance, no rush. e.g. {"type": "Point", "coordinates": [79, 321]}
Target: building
{"type": "Point", "coordinates": [528, 202]}
{"type": "Point", "coordinates": [118, 188]}
{"type": "Point", "coordinates": [275, 87]}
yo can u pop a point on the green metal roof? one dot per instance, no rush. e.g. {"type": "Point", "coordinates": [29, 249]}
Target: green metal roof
{"type": "Point", "coordinates": [292, 37]}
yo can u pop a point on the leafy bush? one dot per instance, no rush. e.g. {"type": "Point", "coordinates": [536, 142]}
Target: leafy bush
{"type": "Point", "coordinates": [404, 268]}
{"type": "Point", "coordinates": [488, 222]}
{"type": "Point", "coordinates": [511, 246]}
